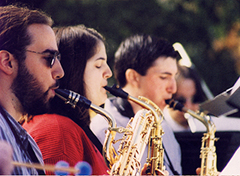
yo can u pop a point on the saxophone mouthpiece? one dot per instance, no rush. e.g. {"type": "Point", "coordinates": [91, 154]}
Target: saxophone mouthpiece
{"type": "Point", "coordinates": [62, 93]}
{"type": "Point", "coordinates": [178, 106]}
{"type": "Point", "coordinates": [117, 91]}
{"type": "Point", "coordinates": [175, 105]}
{"type": "Point", "coordinates": [73, 98]}
{"type": "Point", "coordinates": [168, 101]}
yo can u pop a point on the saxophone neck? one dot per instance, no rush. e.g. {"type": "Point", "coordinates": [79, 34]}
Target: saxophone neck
{"type": "Point", "coordinates": [75, 99]}
{"type": "Point", "coordinates": [202, 117]}
{"type": "Point", "coordinates": [105, 114]}
{"type": "Point", "coordinates": [149, 105]}
{"type": "Point", "coordinates": [108, 150]}
{"type": "Point", "coordinates": [142, 101]}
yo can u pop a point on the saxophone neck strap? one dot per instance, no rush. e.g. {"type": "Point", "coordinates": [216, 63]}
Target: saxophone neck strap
{"type": "Point", "coordinates": [93, 138]}
{"type": "Point", "coordinates": [170, 163]}
{"type": "Point", "coordinates": [123, 106]}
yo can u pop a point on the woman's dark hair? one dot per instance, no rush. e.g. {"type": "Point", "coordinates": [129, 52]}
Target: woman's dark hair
{"type": "Point", "coordinates": [190, 73]}
{"type": "Point", "coordinates": [77, 44]}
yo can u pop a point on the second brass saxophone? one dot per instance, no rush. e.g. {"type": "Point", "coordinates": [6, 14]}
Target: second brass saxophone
{"type": "Point", "coordinates": [145, 126]}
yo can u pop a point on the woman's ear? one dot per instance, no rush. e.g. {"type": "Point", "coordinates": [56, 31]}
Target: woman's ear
{"type": "Point", "coordinates": [6, 62]}
{"type": "Point", "coordinates": [132, 77]}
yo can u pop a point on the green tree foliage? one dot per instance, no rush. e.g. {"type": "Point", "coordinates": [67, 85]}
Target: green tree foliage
{"type": "Point", "coordinates": [197, 24]}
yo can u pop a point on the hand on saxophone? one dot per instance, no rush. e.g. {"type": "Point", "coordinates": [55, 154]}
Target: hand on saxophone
{"type": "Point", "coordinates": [158, 172]}
{"type": "Point", "coordinates": [198, 171]}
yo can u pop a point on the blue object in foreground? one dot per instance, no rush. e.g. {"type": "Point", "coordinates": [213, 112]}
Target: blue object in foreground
{"type": "Point", "coordinates": [84, 168]}
{"type": "Point", "coordinates": [61, 164]}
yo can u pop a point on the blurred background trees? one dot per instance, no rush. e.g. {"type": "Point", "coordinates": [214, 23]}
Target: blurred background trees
{"type": "Point", "coordinates": [208, 29]}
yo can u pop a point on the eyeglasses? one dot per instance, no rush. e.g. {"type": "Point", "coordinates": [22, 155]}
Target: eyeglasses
{"type": "Point", "coordinates": [51, 58]}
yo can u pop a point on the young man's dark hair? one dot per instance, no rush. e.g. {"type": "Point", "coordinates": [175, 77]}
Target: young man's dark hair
{"type": "Point", "coordinates": [138, 52]}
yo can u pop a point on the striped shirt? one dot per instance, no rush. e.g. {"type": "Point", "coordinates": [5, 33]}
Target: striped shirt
{"type": "Point", "coordinates": [19, 154]}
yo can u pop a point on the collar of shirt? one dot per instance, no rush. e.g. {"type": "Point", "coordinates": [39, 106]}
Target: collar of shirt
{"type": "Point", "coordinates": [123, 106]}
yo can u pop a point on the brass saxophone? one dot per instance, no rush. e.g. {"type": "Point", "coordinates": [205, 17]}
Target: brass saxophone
{"type": "Point", "coordinates": [208, 150]}
{"type": "Point", "coordinates": [146, 127]}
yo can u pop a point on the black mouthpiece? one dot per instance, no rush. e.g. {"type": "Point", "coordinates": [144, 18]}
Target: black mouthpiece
{"type": "Point", "coordinates": [168, 101]}
{"type": "Point", "coordinates": [174, 104]}
{"type": "Point", "coordinates": [64, 93]}
{"type": "Point", "coordinates": [73, 98]}
{"type": "Point", "coordinates": [117, 91]}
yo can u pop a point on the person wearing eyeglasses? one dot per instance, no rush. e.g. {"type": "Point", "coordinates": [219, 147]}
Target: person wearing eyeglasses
{"type": "Point", "coordinates": [64, 133]}
{"type": "Point", "coordinates": [29, 73]}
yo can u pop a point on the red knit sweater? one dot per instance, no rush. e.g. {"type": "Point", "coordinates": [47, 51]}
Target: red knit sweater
{"type": "Point", "coordinates": [59, 138]}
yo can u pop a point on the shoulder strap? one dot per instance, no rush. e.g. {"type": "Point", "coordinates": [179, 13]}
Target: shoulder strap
{"type": "Point", "coordinates": [93, 138]}
{"type": "Point", "coordinates": [170, 163]}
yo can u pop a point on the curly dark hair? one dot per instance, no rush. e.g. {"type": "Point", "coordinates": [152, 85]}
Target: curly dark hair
{"type": "Point", "coordinates": [14, 22]}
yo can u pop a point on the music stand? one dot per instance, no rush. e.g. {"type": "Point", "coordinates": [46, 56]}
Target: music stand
{"type": "Point", "coordinates": [218, 106]}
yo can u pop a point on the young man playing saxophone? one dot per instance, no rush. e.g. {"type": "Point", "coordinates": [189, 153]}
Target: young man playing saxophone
{"type": "Point", "coordinates": [144, 66]}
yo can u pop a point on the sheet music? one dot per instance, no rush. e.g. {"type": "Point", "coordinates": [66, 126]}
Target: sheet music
{"type": "Point", "coordinates": [235, 86]}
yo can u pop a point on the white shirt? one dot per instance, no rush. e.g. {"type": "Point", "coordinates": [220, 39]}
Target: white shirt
{"type": "Point", "coordinates": [233, 166]}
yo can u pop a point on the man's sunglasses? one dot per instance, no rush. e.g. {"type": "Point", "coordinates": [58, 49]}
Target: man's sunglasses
{"type": "Point", "coordinates": [49, 56]}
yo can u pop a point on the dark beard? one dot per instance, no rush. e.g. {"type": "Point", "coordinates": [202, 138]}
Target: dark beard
{"type": "Point", "coordinates": [28, 90]}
